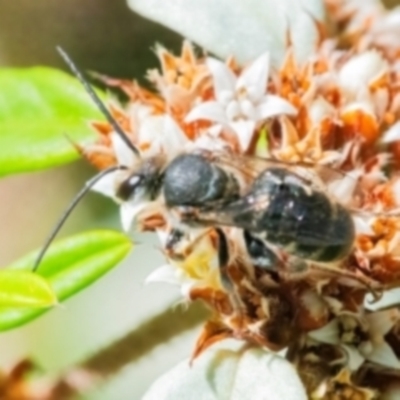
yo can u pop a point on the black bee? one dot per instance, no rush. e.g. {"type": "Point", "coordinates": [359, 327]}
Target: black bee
{"type": "Point", "coordinates": [187, 180]}
{"type": "Point", "coordinates": [282, 209]}
{"type": "Point", "coordinates": [266, 198]}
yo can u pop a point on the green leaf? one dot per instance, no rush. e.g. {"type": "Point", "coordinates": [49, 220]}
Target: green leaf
{"type": "Point", "coordinates": [25, 289]}
{"type": "Point", "coordinates": [262, 143]}
{"type": "Point", "coordinates": [69, 266]}
{"type": "Point", "coordinates": [40, 108]}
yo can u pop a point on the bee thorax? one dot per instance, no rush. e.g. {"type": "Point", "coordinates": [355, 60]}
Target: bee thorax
{"type": "Point", "coordinates": [192, 180]}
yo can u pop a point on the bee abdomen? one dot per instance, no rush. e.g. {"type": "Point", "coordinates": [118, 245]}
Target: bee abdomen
{"type": "Point", "coordinates": [340, 234]}
{"type": "Point", "coordinates": [309, 226]}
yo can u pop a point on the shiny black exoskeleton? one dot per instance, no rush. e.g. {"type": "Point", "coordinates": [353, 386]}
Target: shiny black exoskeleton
{"type": "Point", "coordinates": [192, 180]}
{"type": "Point", "coordinates": [188, 180]}
{"type": "Point", "coordinates": [260, 255]}
{"type": "Point", "coordinates": [302, 221]}
{"type": "Point", "coordinates": [283, 210]}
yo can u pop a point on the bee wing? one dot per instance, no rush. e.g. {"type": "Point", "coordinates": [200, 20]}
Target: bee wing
{"type": "Point", "coordinates": [247, 212]}
{"type": "Point", "coordinates": [240, 213]}
{"type": "Point", "coordinates": [249, 167]}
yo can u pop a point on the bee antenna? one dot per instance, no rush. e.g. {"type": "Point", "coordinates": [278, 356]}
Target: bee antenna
{"type": "Point", "coordinates": [96, 99]}
{"type": "Point", "coordinates": [69, 210]}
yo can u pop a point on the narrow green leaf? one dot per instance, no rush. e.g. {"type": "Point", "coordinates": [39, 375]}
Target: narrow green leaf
{"type": "Point", "coordinates": [24, 289]}
{"type": "Point", "coordinates": [262, 143]}
{"type": "Point", "coordinates": [39, 108]}
{"type": "Point", "coordinates": [69, 266]}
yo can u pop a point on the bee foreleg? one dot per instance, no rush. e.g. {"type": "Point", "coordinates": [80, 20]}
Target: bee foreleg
{"type": "Point", "coordinates": [223, 263]}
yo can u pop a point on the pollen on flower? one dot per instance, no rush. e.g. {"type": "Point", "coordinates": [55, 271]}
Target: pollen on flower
{"type": "Point", "coordinates": [293, 212]}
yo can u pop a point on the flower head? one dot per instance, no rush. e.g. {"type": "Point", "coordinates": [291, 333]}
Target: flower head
{"type": "Point", "coordinates": [362, 338]}
{"type": "Point", "coordinates": [332, 122]}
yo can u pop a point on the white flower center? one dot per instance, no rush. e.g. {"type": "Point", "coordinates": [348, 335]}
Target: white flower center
{"type": "Point", "coordinates": [225, 97]}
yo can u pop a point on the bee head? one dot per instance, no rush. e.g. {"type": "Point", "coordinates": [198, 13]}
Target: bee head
{"type": "Point", "coordinates": [142, 184]}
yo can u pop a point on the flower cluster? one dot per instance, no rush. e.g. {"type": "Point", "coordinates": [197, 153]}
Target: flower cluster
{"type": "Point", "coordinates": [334, 117]}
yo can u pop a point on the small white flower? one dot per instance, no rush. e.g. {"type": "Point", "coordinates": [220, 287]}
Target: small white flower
{"type": "Point", "coordinates": [360, 71]}
{"type": "Point", "coordinates": [241, 102]}
{"type": "Point", "coordinates": [392, 134]}
{"type": "Point", "coordinates": [362, 340]}
{"type": "Point", "coordinates": [161, 134]}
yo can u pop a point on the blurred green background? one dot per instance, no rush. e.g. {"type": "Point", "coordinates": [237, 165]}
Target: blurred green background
{"type": "Point", "coordinates": [107, 37]}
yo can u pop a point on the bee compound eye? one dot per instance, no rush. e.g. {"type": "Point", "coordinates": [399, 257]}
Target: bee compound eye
{"type": "Point", "coordinates": [128, 186]}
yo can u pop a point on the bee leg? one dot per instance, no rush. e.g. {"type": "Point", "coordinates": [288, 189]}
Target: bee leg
{"type": "Point", "coordinates": [223, 262]}
{"type": "Point", "coordinates": [260, 254]}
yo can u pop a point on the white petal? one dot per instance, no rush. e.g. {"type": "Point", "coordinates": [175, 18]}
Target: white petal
{"type": "Point", "coordinates": [362, 226]}
{"type": "Point", "coordinates": [209, 142]}
{"type": "Point", "coordinates": [255, 77]}
{"type": "Point", "coordinates": [106, 185]}
{"type": "Point", "coordinates": [392, 134]}
{"type": "Point", "coordinates": [232, 110]}
{"type": "Point", "coordinates": [125, 155]}
{"type": "Point", "coordinates": [187, 287]}
{"type": "Point", "coordinates": [327, 334]}
{"type": "Point", "coordinates": [303, 29]}
{"type": "Point", "coordinates": [245, 131]}
{"type": "Point", "coordinates": [360, 70]}
{"type": "Point", "coordinates": [274, 105]}
{"type": "Point", "coordinates": [149, 130]}
{"type": "Point", "coordinates": [355, 359]}
{"type": "Point", "coordinates": [320, 109]}
{"type": "Point", "coordinates": [223, 77]}
{"type": "Point", "coordinates": [128, 213]}
{"type": "Point", "coordinates": [344, 187]}
{"type": "Point", "coordinates": [380, 322]}
{"type": "Point", "coordinates": [166, 273]}
{"type": "Point", "coordinates": [384, 355]}
{"type": "Point", "coordinates": [163, 235]}
{"type": "Point", "coordinates": [230, 370]}
{"type": "Point", "coordinates": [242, 28]}
{"type": "Point", "coordinates": [209, 110]}
{"type": "Point", "coordinates": [247, 109]}
{"type": "Point", "coordinates": [389, 298]}
{"type": "Point", "coordinates": [173, 137]}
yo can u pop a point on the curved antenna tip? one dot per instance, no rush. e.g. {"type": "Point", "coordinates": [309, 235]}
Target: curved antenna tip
{"type": "Point", "coordinates": [96, 99]}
